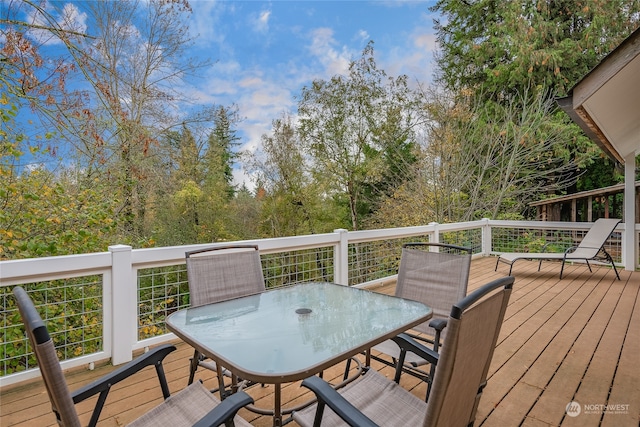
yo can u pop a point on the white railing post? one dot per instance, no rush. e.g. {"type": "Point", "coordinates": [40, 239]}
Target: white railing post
{"type": "Point", "coordinates": [436, 234]}
{"type": "Point", "coordinates": [124, 302]}
{"type": "Point", "coordinates": [629, 242]}
{"type": "Point", "coordinates": [341, 258]}
{"type": "Point", "coordinates": [486, 238]}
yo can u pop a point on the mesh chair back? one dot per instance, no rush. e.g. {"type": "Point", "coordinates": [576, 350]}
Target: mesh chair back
{"type": "Point", "coordinates": [55, 383]}
{"type": "Point", "coordinates": [474, 325]}
{"type": "Point", "coordinates": [438, 279]}
{"type": "Point", "coordinates": [595, 238]}
{"type": "Point", "coordinates": [223, 273]}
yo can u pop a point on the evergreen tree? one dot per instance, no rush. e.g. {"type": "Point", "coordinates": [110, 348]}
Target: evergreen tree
{"type": "Point", "coordinates": [498, 48]}
{"type": "Point", "coordinates": [220, 155]}
{"type": "Point", "coordinates": [502, 50]}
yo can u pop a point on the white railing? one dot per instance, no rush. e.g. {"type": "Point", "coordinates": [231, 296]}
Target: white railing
{"type": "Point", "coordinates": [123, 281]}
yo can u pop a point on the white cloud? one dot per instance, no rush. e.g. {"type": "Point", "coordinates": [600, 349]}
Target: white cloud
{"type": "Point", "coordinates": [414, 57]}
{"type": "Point", "coordinates": [72, 19]}
{"type": "Point", "coordinates": [261, 22]}
{"type": "Point", "coordinates": [250, 82]}
{"type": "Point", "coordinates": [205, 21]}
{"type": "Point", "coordinates": [322, 47]}
{"type": "Point", "coordinates": [260, 102]}
{"type": "Point", "coordinates": [259, 98]}
{"type": "Point", "coordinates": [363, 36]}
{"type": "Point", "coordinates": [426, 41]}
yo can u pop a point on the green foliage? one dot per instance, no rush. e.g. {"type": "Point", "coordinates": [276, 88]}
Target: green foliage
{"type": "Point", "coordinates": [42, 217]}
{"type": "Point", "coordinates": [601, 172]}
{"type": "Point", "coordinates": [44, 213]}
{"type": "Point", "coordinates": [505, 47]}
{"type": "Point", "coordinates": [484, 159]}
{"type": "Point", "coordinates": [72, 311]}
{"type": "Point", "coordinates": [161, 291]}
{"type": "Point", "coordinates": [501, 49]}
{"type": "Point", "coordinates": [291, 199]}
{"type": "Point", "coordinates": [220, 154]}
{"type": "Point", "coordinates": [358, 132]}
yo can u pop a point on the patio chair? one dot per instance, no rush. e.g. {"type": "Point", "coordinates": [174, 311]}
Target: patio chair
{"type": "Point", "coordinates": [373, 400]}
{"type": "Point", "coordinates": [590, 248]}
{"type": "Point", "coordinates": [193, 406]}
{"type": "Point", "coordinates": [435, 274]}
{"type": "Point", "coordinates": [218, 274]}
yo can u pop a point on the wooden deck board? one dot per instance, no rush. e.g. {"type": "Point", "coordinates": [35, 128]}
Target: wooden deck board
{"type": "Point", "coordinates": [576, 359]}
{"type": "Point", "coordinates": [562, 340]}
{"type": "Point", "coordinates": [625, 389]}
{"type": "Point", "coordinates": [560, 366]}
{"type": "Point", "coordinates": [524, 354]}
{"type": "Point", "coordinates": [615, 312]}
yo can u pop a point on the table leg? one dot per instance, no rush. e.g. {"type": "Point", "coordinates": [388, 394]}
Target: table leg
{"type": "Point", "coordinates": [234, 383]}
{"type": "Point", "coordinates": [277, 406]}
{"type": "Point", "coordinates": [220, 380]}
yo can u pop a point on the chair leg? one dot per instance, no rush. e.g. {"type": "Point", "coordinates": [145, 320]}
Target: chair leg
{"type": "Point", "coordinates": [163, 381]}
{"type": "Point", "coordinates": [615, 269]}
{"type": "Point", "coordinates": [589, 265]}
{"type": "Point", "coordinates": [193, 366]}
{"type": "Point", "coordinates": [613, 264]}
{"type": "Point", "coordinates": [436, 340]}
{"type": "Point", "coordinates": [561, 269]}
{"type": "Point", "coordinates": [399, 365]}
{"type": "Point", "coordinates": [497, 262]}
{"type": "Point", "coordinates": [432, 372]}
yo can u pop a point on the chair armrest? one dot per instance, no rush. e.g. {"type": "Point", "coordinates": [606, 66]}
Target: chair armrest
{"type": "Point", "coordinates": [341, 406]}
{"type": "Point", "coordinates": [152, 357]}
{"type": "Point", "coordinates": [225, 411]}
{"type": "Point", "coordinates": [407, 343]}
{"type": "Point", "coordinates": [438, 324]}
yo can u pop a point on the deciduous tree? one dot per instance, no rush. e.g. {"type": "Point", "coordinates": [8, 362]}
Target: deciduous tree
{"type": "Point", "coordinates": [136, 65]}
{"type": "Point", "coordinates": [356, 129]}
{"type": "Point", "coordinates": [292, 203]}
{"type": "Point", "coordinates": [473, 165]}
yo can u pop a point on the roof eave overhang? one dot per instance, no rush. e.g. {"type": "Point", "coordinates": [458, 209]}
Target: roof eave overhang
{"type": "Point", "coordinates": [580, 116]}
{"type": "Point", "coordinates": [578, 105]}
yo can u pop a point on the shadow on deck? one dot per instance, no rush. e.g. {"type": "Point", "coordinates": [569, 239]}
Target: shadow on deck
{"type": "Point", "coordinates": [570, 340]}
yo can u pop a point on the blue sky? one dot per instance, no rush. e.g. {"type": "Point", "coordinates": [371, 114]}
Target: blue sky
{"type": "Point", "coordinates": [264, 52]}
{"type": "Point", "coordinates": [267, 51]}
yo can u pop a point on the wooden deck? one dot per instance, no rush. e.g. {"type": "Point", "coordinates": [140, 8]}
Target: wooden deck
{"type": "Point", "coordinates": [576, 339]}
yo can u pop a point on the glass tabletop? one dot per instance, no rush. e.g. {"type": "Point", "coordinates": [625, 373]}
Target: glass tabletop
{"type": "Point", "coordinates": [290, 333]}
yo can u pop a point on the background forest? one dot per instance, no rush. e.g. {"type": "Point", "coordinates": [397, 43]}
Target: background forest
{"type": "Point", "coordinates": [363, 150]}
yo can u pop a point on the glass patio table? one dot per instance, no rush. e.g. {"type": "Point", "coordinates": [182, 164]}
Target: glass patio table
{"type": "Point", "coordinates": [290, 333]}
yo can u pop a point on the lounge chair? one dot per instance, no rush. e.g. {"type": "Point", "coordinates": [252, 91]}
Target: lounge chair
{"type": "Point", "coordinates": [590, 248]}
{"type": "Point", "coordinates": [218, 274]}
{"type": "Point", "coordinates": [462, 365]}
{"type": "Point", "coordinates": [193, 406]}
